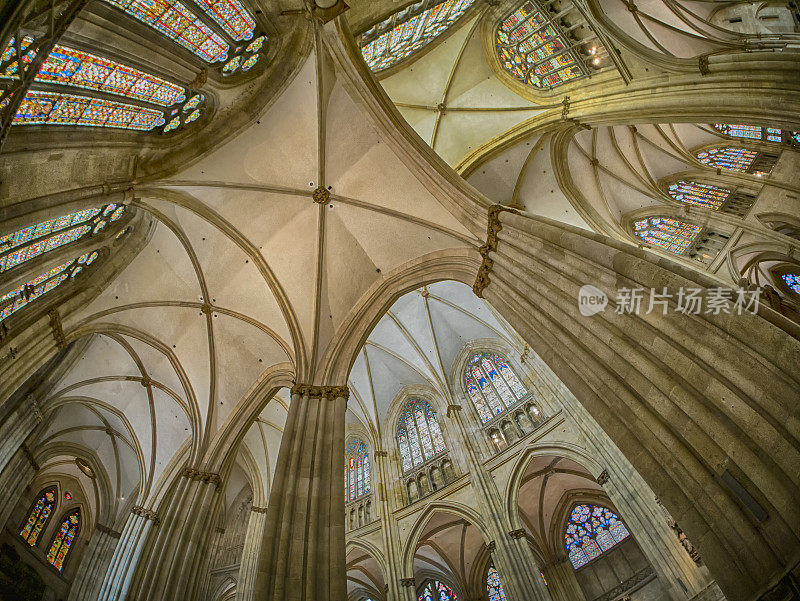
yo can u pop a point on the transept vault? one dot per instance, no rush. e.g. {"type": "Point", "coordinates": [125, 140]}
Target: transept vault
{"type": "Point", "coordinates": [309, 301]}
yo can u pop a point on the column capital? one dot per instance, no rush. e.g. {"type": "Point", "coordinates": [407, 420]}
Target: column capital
{"type": "Point", "coordinates": [325, 392]}
{"type": "Point", "coordinates": [518, 533]}
{"type": "Point", "coordinates": [452, 409]}
{"type": "Point", "coordinates": [407, 582]}
{"type": "Point", "coordinates": [145, 513]}
{"type": "Point", "coordinates": [109, 531]}
{"type": "Point", "coordinates": [200, 476]}
{"type": "Point", "coordinates": [491, 546]}
{"type": "Point", "coordinates": [256, 509]}
{"type": "Point", "coordinates": [381, 453]}
{"type": "Point", "coordinates": [603, 477]}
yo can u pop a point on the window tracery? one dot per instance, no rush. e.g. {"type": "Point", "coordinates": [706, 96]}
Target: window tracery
{"type": "Point", "coordinates": [534, 47]}
{"type": "Point", "coordinates": [592, 530]}
{"type": "Point", "coordinates": [437, 590]}
{"type": "Point", "coordinates": [711, 197]}
{"type": "Point", "coordinates": [231, 16]}
{"type": "Point", "coordinates": [409, 30]}
{"type": "Point", "coordinates": [493, 585]}
{"type": "Point", "coordinates": [793, 281]}
{"type": "Point", "coordinates": [357, 478]}
{"type": "Point", "coordinates": [39, 516]}
{"type": "Point", "coordinates": [492, 385]}
{"type": "Point", "coordinates": [418, 434]}
{"type": "Point", "coordinates": [25, 294]}
{"type": "Point", "coordinates": [34, 240]}
{"type": "Point", "coordinates": [672, 235]}
{"type": "Point", "coordinates": [742, 160]}
{"type": "Point", "coordinates": [756, 132]}
{"type": "Point", "coordinates": [64, 539]}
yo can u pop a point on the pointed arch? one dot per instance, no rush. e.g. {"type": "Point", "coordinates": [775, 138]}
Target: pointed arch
{"type": "Point", "coordinates": [39, 515]}
{"type": "Point", "coordinates": [64, 539]}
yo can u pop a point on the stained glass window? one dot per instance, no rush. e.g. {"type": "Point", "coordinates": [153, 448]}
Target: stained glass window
{"type": "Point", "coordinates": [50, 108]}
{"type": "Point", "coordinates": [701, 195]}
{"type": "Point", "coordinates": [39, 516]}
{"type": "Point", "coordinates": [408, 31]}
{"type": "Point", "coordinates": [436, 590]}
{"type": "Point", "coordinates": [174, 20]}
{"type": "Point", "coordinates": [792, 280]}
{"type": "Point", "coordinates": [494, 586]}
{"type": "Point", "coordinates": [357, 481]}
{"type": "Point", "coordinates": [752, 132]}
{"type": "Point", "coordinates": [231, 16]}
{"type": "Point", "coordinates": [492, 385]}
{"type": "Point", "coordinates": [21, 296]}
{"type": "Point", "coordinates": [32, 241]}
{"type": "Point", "coordinates": [533, 49]}
{"type": "Point", "coordinates": [12, 67]}
{"type": "Point", "coordinates": [418, 434]}
{"type": "Point", "coordinates": [796, 136]}
{"type": "Point", "coordinates": [591, 530]}
{"type": "Point", "coordinates": [76, 68]}
{"type": "Point", "coordinates": [734, 159]}
{"type": "Point", "coordinates": [670, 234]}
{"type": "Point", "coordinates": [64, 539]}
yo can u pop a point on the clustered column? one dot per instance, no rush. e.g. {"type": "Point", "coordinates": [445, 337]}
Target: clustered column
{"type": "Point", "coordinates": [99, 553]}
{"type": "Point", "coordinates": [245, 587]}
{"type": "Point", "coordinates": [126, 554]}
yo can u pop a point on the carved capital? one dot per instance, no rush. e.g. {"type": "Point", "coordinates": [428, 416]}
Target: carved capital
{"type": "Point", "coordinates": [518, 533]}
{"type": "Point", "coordinates": [58, 331]}
{"type": "Point", "coordinates": [37, 410]}
{"type": "Point", "coordinates": [381, 453]}
{"type": "Point", "coordinates": [323, 392]}
{"type": "Point", "coordinates": [493, 228]}
{"type": "Point", "coordinates": [702, 63]}
{"type": "Point", "coordinates": [491, 546]}
{"type": "Point", "coordinates": [200, 476]}
{"type": "Point", "coordinates": [29, 456]}
{"type": "Point", "coordinates": [256, 509]}
{"type": "Point", "coordinates": [321, 195]}
{"type": "Point", "coordinates": [406, 582]}
{"type": "Point", "coordinates": [145, 513]}
{"type": "Point", "coordinates": [603, 477]}
{"type": "Point", "coordinates": [108, 531]}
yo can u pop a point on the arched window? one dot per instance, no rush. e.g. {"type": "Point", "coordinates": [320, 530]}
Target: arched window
{"type": "Point", "coordinates": [492, 385]}
{"type": "Point", "coordinates": [494, 586]}
{"type": "Point", "coordinates": [534, 47]}
{"type": "Point", "coordinates": [670, 234]}
{"type": "Point", "coordinates": [20, 296]}
{"type": "Point", "coordinates": [792, 280]}
{"type": "Point", "coordinates": [712, 197]}
{"type": "Point", "coordinates": [418, 434]}
{"type": "Point", "coordinates": [436, 590]}
{"type": "Point", "coordinates": [591, 530]}
{"type": "Point", "coordinates": [34, 240]}
{"type": "Point", "coordinates": [39, 516]}
{"type": "Point", "coordinates": [356, 471]}
{"type": "Point", "coordinates": [64, 538]}
{"type": "Point", "coordinates": [408, 30]}
{"type": "Point", "coordinates": [743, 160]}
{"type": "Point", "coordinates": [750, 132]}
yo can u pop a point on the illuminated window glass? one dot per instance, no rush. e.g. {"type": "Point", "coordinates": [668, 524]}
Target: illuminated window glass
{"type": "Point", "coordinates": [734, 159]}
{"type": "Point", "coordinates": [76, 68]}
{"type": "Point", "coordinates": [418, 434]}
{"type": "Point", "coordinates": [13, 67]}
{"type": "Point", "coordinates": [591, 530]}
{"type": "Point", "coordinates": [751, 132]}
{"type": "Point", "coordinates": [436, 590]}
{"type": "Point", "coordinates": [39, 516]}
{"type": "Point", "coordinates": [64, 540]}
{"type": "Point", "coordinates": [698, 194]}
{"type": "Point", "coordinates": [494, 586]}
{"type": "Point", "coordinates": [34, 240]}
{"type": "Point", "coordinates": [174, 20]}
{"type": "Point", "coordinates": [792, 280]}
{"type": "Point", "coordinates": [796, 136]}
{"type": "Point", "coordinates": [49, 108]}
{"type": "Point", "coordinates": [231, 16]}
{"type": "Point", "coordinates": [492, 385]}
{"type": "Point", "coordinates": [670, 234]}
{"type": "Point", "coordinates": [357, 480]}
{"type": "Point", "coordinates": [409, 31]}
{"type": "Point", "coordinates": [533, 49]}
{"type": "Point", "coordinates": [21, 296]}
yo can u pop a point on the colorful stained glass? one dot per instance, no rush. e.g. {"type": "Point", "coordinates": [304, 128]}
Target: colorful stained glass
{"type": "Point", "coordinates": [232, 65]}
{"type": "Point", "coordinates": [39, 516]}
{"type": "Point", "coordinates": [792, 280]}
{"type": "Point", "coordinates": [491, 385]}
{"type": "Point", "coordinates": [231, 16]}
{"type": "Point", "coordinates": [49, 108]}
{"type": "Point", "coordinates": [436, 590]}
{"type": "Point", "coordinates": [248, 64]}
{"type": "Point", "coordinates": [256, 44]}
{"type": "Point", "coordinates": [752, 132]}
{"type": "Point", "coordinates": [796, 136]}
{"type": "Point", "coordinates": [63, 540]}
{"type": "Point", "coordinates": [357, 476]}
{"type": "Point", "coordinates": [174, 20]}
{"type": "Point", "coordinates": [670, 234]}
{"type": "Point", "coordinates": [21, 296]}
{"type": "Point", "coordinates": [84, 70]}
{"type": "Point", "coordinates": [11, 66]}
{"type": "Point", "coordinates": [32, 241]}
{"type": "Point", "coordinates": [592, 530]}
{"type": "Point", "coordinates": [734, 159]}
{"type": "Point", "coordinates": [493, 586]}
{"type": "Point", "coordinates": [698, 194]}
{"type": "Point", "coordinates": [418, 434]}
{"type": "Point", "coordinates": [533, 49]}
{"type": "Point", "coordinates": [410, 33]}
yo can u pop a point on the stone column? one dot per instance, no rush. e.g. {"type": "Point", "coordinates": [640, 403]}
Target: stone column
{"type": "Point", "coordinates": [94, 564]}
{"type": "Point", "coordinates": [702, 406]}
{"type": "Point", "coordinates": [512, 557]}
{"type": "Point", "coordinates": [18, 472]}
{"type": "Point", "coordinates": [561, 581]}
{"type": "Point", "coordinates": [245, 587]}
{"type": "Point", "coordinates": [303, 553]}
{"type": "Point", "coordinates": [126, 554]}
